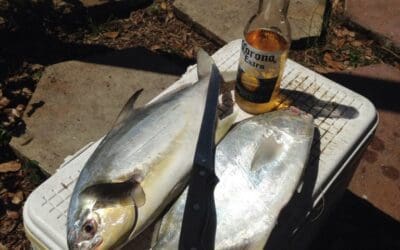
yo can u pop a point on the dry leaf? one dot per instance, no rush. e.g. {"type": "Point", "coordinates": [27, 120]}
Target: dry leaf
{"type": "Point", "coordinates": [322, 70]}
{"type": "Point", "coordinates": [12, 113]}
{"type": "Point", "coordinates": [350, 39]}
{"type": "Point", "coordinates": [20, 108]}
{"type": "Point", "coordinates": [163, 5]}
{"type": "Point", "coordinates": [369, 42]}
{"type": "Point", "coordinates": [356, 43]}
{"type": "Point", "coordinates": [2, 247]}
{"type": "Point", "coordinates": [12, 215]}
{"type": "Point", "coordinates": [126, 26]}
{"type": "Point", "coordinates": [341, 42]}
{"type": "Point", "coordinates": [4, 101]}
{"type": "Point", "coordinates": [332, 63]}
{"type": "Point", "coordinates": [351, 33]}
{"type": "Point", "coordinates": [11, 166]}
{"type": "Point", "coordinates": [17, 198]}
{"type": "Point", "coordinates": [189, 53]}
{"type": "Point", "coordinates": [170, 14]}
{"type": "Point", "coordinates": [36, 67]}
{"type": "Point", "coordinates": [342, 32]}
{"type": "Point", "coordinates": [338, 42]}
{"type": "Point", "coordinates": [19, 78]}
{"type": "Point", "coordinates": [27, 92]}
{"type": "Point", "coordinates": [368, 52]}
{"type": "Point", "coordinates": [338, 32]}
{"type": "Point", "coordinates": [7, 226]}
{"type": "Point", "coordinates": [155, 47]}
{"type": "Point", "coordinates": [111, 34]}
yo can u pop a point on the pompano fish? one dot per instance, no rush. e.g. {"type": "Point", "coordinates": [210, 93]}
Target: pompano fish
{"type": "Point", "coordinates": [259, 164]}
{"type": "Point", "coordinates": [139, 167]}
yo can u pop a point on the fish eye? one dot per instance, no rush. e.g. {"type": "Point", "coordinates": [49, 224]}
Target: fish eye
{"type": "Point", "coordinates": [90, 227]}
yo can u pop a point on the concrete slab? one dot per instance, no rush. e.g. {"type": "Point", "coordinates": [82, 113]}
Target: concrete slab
{"type": "Point", "coordinates": [78, 101]}
{"type": "Point", "coordinates": [226, 19]}
{"type": "Point", "coordinates": [377, 177]}
{"type": "Point", "coordinates": [380, 16]}
{"type": "Point", "coordinates": [306, 18]}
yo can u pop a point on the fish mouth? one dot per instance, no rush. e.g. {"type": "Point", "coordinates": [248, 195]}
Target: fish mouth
{"type": "Point", "coordinates": [94, 244]}
{"type": "Point", "coordinates": [98, 244]}
{"type": "Point", "coordinates": [75, 242]}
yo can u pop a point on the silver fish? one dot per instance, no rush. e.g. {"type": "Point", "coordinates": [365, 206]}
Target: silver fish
{"type": "Point", "coordinates": [139, 167]}
{"type": "Point", "coordinates": [259, 164]}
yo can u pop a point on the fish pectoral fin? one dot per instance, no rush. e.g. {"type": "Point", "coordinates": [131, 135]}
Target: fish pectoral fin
{"type": "Point", "coordinates": [138, 195]}
{"type": "Point", "coordinates": [128, 108]}
{"type": "Point", "coordinates": [269, 151]}
{"type": "Point", "coordinates": [204, 64]}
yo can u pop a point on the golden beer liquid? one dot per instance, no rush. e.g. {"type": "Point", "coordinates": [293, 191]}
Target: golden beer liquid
{"type": "Point", "coordinates": [268, 41]}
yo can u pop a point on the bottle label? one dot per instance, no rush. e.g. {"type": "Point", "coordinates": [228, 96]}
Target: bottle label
{"type": "Point", "coordinates": [260, 94]}
{"type": "Point", "coordinates": [252, 59]}
{"type": "Point", "coordinates": [257, 74]}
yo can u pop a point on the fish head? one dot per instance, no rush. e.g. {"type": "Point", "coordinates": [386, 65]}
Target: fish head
{"type": "Point", "coordinates": [104, 218]}
{"type": "Point", "coordinates": [85, 232]}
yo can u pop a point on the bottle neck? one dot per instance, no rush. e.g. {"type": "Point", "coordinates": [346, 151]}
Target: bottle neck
{"type": "Point", "coordinates": [273, 9]}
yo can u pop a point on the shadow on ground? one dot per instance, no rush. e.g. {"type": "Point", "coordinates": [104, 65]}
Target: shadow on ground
{"type": "Point", "coordinates": [140, 58]}
{"type": "Point", "coordinates": [383, 94]}
{"type": "Point", "coordinates": [39, 33]}
{"type": "Point", "coordinates": [356, 225]}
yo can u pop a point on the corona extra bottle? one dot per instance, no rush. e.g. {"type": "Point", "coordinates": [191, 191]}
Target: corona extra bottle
{"type": "Point", "coordinates": [263, 56]}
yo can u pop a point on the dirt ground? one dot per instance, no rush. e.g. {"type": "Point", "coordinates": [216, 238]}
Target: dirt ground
{"type": "Point", "coordinates": [38, 34]}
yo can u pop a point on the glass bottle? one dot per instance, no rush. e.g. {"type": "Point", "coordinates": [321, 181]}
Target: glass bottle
{"type": "Point", "coordinates": [263, 56]}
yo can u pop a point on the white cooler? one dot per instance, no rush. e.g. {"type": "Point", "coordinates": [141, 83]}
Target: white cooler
{"type": "Point", "coordinates": [345, 122]}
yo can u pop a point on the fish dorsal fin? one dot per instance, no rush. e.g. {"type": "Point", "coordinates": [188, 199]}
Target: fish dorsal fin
{"type": "Point", "coordinates": [128, 108]}
{"type": "Point", "coordinates": [204, 64]}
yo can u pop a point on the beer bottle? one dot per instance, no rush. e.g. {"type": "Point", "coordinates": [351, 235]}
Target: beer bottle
{"type": "Point", "coordinates": [263, 55]}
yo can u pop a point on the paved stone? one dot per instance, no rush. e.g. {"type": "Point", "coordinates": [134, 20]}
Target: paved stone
{"type": "Point", "coordinates": [80, 100]}
{"type": "Point", "coordinates": [379, 16]}
{"type": "Point", "coordinates": [377, 177]}
{"type": "Point", "coordinates": [226, 19]}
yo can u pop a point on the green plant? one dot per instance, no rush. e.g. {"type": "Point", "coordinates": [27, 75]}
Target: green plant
{"type": "Point", "coordinates": [5, 137]}
{"type": "Point", "coordinates": [355, 57]}
{"type": "Point", "coordinates": [37, 75]}
{"type": "Point", "coordinates": [94, 28]}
